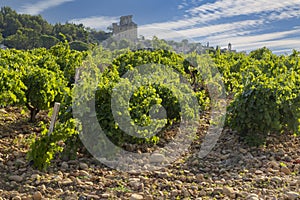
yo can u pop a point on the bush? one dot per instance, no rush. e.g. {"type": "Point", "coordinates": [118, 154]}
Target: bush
{"type": "Point", "coordinates": [137, 97]}
{"type": "Point", "coordinates": [266, 105]}
{"type": "Point", "coordinates": [154, 93]}
{"type": "Point", "coordinates": [46, 147]}
{"type": "Point", "coordinates": [44, 87]}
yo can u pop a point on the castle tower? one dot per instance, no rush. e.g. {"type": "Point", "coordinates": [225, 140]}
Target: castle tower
{"type": "Point", "coordinates": [126, 29]}
{"type": "Point", "coordinates": [229, 47]}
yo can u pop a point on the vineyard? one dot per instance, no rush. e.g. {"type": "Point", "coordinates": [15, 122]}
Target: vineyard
{"type": "Point", "coordinates": [142, 99]}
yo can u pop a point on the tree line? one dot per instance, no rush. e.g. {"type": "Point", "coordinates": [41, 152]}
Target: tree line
{"type": "Point", "coordinates": [24, 31]}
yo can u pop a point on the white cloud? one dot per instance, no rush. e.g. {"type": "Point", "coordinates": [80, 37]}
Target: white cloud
{"type": "Point", "coordinates": [279, 45]}
{"type": "Point", "coordinates": [287, 14]}
{"type": "Point", "coordinates": [258, 38]}
{"type": "Point", "coordinates": [203, 23]}
{"type": "Point", "coordinates": [209, 12]}
{"type": "Point", "coordinates": [96, 22]}
{"type": "Point", "coordinates": [230, 8]}
{"type": "Point", "coordinates": [217, 23]}
{"type": "Point", "coordinates": [180, 7]}
{"type": "Point", "coordinates": [222, 34]}
{"type": "Point", "coordinates": [179, 24]}
{"type": "Point", "coordinates": [218, 30]}
{"type": "Point", "coordinates": [40, 6]}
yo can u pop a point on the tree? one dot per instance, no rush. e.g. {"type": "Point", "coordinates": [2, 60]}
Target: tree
{"type": "Point", "coordinates": [18, 40]}
{"type": "Point", "coordinates": [48, 41]}
{"type": "Point", "coordinates": [124, 43]}
{"type": "Point", "coordinates": [11, 26]}
{"type": "Point", "coordinates": [79, 46]}
{"type": "Point", "coordinates": [23, 31]}
{"type": "Point", "coordinates": [1, 21]}
{"type": "Point", "coordinates": [160, 44]}
{"type": "Point", "coordinates": [24, 39]}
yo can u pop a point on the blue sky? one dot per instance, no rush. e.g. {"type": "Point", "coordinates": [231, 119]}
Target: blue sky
{"type": "Point", "coordinates": [247, 24]}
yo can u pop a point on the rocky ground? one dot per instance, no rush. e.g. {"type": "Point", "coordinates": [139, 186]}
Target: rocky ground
{"type": "Point", "coordinates": [231, 171]}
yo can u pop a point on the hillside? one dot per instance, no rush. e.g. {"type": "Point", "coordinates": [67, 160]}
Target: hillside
{"type": "Point", "coordinates": [23, 31]}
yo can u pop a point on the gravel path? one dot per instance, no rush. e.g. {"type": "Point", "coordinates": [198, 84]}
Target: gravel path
{"type": "Point", "coordinates": [231, 171]}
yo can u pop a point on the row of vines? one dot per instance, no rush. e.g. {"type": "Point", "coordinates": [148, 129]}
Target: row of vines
{"type": "Point", "coordinates": [262, 89]}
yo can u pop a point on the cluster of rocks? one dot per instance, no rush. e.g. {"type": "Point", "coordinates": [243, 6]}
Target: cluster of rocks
{"type": "Point", "coordinates": [232, 170]}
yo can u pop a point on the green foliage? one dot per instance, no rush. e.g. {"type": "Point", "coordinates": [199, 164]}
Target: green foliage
{"type": "Point", "coordinates": [23, 31]}
{"type": "Point", "coordinates": [254, 113]}
{"type": "Point", "coordinates": [11, 87]}
{"type": "Point", "coordinates": [48, 41]}
{"type": "Point", "coordinates": [79, 46]}
{"type": "Point", "coordinates": [145, 100]}
{"type": "Point", "coordinates": [12, 69]}
{"type": "Point", "coordinates": [232, 67]}
{"type": "Point", "coordinates": [67, 59]}
{"type": "Point", "coordinates": [160, 44]}
{"type": "Point", "coordinates": [263, 87]}
{"type": "Point", "coordinates": [269, 101]}
{"type": "Point", "coordinates": [44, 149]}
{"type": "Point", "coordinates": [37, 78]}
{"type": "Point", "coordinates": [44, 87]}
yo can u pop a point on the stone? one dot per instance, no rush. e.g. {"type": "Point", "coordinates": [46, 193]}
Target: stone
{"type": "Point", "coordinates": [148, 197]}
{"type": "Point", "coordinates": [71, 197]}
{"type": "Point", "coordinates": [217, 191]}
{"type": "Point", "coordinates": [59, 191]}
{"type": "Point", "coordinates": [26, 198]}
{"type": "Point", "coordinates": [64, 165]}
{"type": "Point", "coordinates": [135, 183]}
{"type": "Point", "coordinates": [200, 177]}
{"type": "Point", "coordinates": [287, 158]}
{"type": "Point", "coordinates": [252, 197]}
{"type": "Point", "coordinates": [20, 162]}
{"type": "Point", "coordinates": [276, 179]}
{"type": "Point", "coordinates": [17, 198]}
{"type": "Point", "coordinates": [228, 191]}
{"type": "Point", "coordinates": [89, 183]}
{"type": "Point", "coordinates": [3, 111]}
{"type": "Point", "coordinates": [42, 187]}
{"type": "Point", "coordinates": [157, 158]}
{"type": "Point", "coordinates": [67, 181]}
{"type": "Point", "coordinates": [83, 166]}
{"type": "Point", "coordinates": [294, 183]}
{"type": "Point", "coordinates": [285, 170]}
{"type": "Point", "coordinates": [37, 196]}
{"type": "Point", "coordinates": [202, 193]}
{"type": "Point", "coordinates": [105, 195]}
{"type": "Point", "coordinates": [275, 165]}
{"type": "Point", "coordinates": [16, 178]}
{"type": "Point", "coordinates": [93, 196]}
{"type": "Point", "coordinates": [161, 174]}
{"type": "Point", "coordinates": [136, 197]}
{"type": "Point", "coordinates": [174, 193]}
{"type": "Point", "coordinates": [243, 151]}
{"type": "Point", "coordinates": [258, 172]}
{"type": "Point", "coordinates": [35, 176]}
{"type": "Point", "coordinates": [9, 119]}
{"type": "Point", "coordinates": [84, 173]}
{"type": "Point", "coordinates": [292, 195]}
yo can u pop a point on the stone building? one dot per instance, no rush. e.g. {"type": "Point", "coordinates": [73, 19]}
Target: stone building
{"type": "Point", "coordinates": [126, 29]}
{"type": "Point", "coordinates": [2, 46]}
